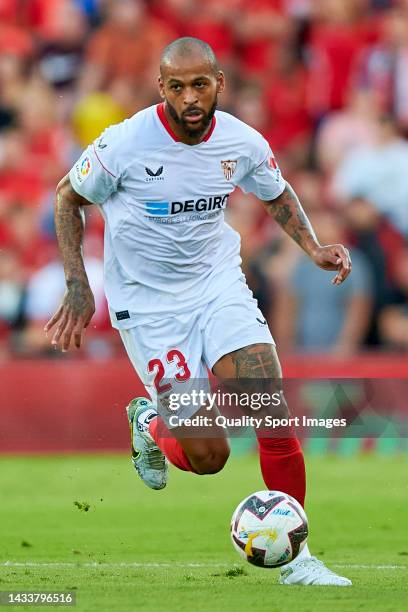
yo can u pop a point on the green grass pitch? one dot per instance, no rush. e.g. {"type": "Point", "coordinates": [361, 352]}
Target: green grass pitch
{"type": "Point", "coordinates": [170, 550]}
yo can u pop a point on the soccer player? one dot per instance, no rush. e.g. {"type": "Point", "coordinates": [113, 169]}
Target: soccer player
{"type": "Point", "coordinates": [173, 279]}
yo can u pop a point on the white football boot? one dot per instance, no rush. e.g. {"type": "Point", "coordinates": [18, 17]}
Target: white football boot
{"type": "Point", "coordinates": [149, 461]}
{"type": "Point", "coordinates": [311, 571]}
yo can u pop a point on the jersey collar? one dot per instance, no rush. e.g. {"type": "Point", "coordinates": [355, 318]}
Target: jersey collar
{"type": "Point", "coordinates": [163, 119]}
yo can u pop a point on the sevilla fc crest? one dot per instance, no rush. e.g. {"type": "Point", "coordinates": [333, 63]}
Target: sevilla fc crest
{"type": "Point", "coordinates": [228, 166]}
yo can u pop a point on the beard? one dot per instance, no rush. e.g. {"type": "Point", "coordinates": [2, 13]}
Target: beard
{"type": "Point", "coordinates": [201, 127]}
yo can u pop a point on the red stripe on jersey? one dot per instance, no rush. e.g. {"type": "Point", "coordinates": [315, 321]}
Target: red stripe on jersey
{"type": "Point", "coordinates": [166, 124]}
{"type": "Point", "coordinates": [104, 167]}
{"type": "Point", "coordinates": [210, 131]}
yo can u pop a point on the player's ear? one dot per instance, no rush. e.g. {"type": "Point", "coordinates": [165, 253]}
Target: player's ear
{"type": "Point", "coordinates": [220, 81]}
{"type": "Point", "coordinates": [161, 87]}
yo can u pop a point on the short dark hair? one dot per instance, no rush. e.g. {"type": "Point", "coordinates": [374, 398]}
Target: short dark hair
{"type": "Point", "coordinates": [184, 47]}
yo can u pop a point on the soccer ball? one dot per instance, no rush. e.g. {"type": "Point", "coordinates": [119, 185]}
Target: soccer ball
{"type": "Point", "coordinates": [269, 528]}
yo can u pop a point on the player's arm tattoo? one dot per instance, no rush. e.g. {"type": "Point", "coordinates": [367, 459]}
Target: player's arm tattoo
{"type": "Point", "coordinates": [69, 227]}
{"type": "Point", "coordinates": [78, 304]}
{"type": "Point", "coordinates": [288, 212]}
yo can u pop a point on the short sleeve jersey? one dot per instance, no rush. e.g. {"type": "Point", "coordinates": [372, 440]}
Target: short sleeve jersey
{"type": "Point", "coordinates": [168, 248]}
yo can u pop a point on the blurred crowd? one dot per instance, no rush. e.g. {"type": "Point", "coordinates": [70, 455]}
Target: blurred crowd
{"type": "Point", "coordinates": [326, 83]}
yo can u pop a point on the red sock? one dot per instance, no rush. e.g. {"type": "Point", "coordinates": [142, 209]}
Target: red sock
{"type": "Point", "coordinates": [283, 466]}
{"type": "Point", "coordinates": [169, 445]}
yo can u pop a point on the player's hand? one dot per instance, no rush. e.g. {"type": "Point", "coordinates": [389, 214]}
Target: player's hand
{"type": "Point", "coordinates": [73, 316]}
{"type": "Point", "coordinates": [333, 257]}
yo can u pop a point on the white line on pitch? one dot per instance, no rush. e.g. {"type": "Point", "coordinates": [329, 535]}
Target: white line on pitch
{"type": "Point", "coordinates": [95, 564]}
{"type": "Point", "coordinates": [368, 566]}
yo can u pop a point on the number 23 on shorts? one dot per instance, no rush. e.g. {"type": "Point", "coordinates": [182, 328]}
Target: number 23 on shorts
{"type": "Point", "coordinates": [157, 366]}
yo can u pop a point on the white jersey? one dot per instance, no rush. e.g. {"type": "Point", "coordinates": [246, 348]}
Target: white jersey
{"type": "Point", "coordinates": [168, 249]}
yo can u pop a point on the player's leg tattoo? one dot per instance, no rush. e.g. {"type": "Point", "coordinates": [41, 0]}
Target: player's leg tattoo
{"type": "Point", "coordinates": [253, 361]}
{"type": "Point", "coordinates": [256, 361]}
{"type": "Point", "coordinates": [254, 369]}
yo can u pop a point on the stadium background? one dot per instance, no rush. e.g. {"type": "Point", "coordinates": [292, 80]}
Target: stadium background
{"type": "Point", "coordinates": [326, 83]}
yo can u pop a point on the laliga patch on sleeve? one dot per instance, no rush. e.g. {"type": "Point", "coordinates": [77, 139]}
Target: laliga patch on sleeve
{"type": "Point", "coordinates": [83, 169]}
{"type": "Point", "coordinates": [272, 165]}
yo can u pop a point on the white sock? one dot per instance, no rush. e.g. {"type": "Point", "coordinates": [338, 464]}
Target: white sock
{"type": "Point", "coordinates": [304, 554]}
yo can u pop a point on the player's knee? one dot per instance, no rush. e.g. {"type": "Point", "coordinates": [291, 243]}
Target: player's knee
{"type": "Point", "coordinates": [210, 462]}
